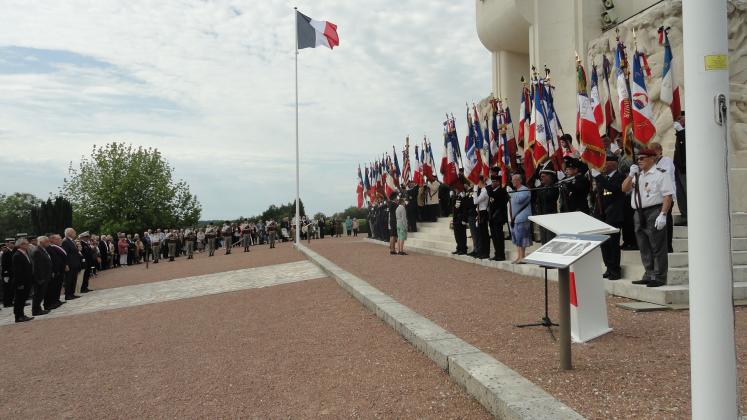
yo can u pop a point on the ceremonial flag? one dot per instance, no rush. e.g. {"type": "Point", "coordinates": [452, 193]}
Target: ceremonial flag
{"type": "Point", "coordinates": [359, 189]}
{"type": "Point", "coordinates": [494, 136]}
{"type": "Point", "coordinates": [626, 117]}
{"type": "Point", "coordinates": [396, 172]}
{"type": "Point", "coordinates": [643, 112]}
{"type": "Point", "coordinates": [451, 146]}
{"type": "Point", "coordinates": [670, 91]}
{"type": "Point", "coordinates": [480, 143]}
{"type": "Point", "coordinates": [609, 110]}
{"type": "Point", "coordinates": [313, 33]}
{"type": "Point", "coordinates": [417, 176]}
{"type": "Point", "coordinates": [596, 104]}
{"type": "Point", "coordinates": [539, 130]}
{"type": "Point", "coordinates": [473, 166]}
{"type": "Point", "coordinates": [406, 162]}
{"type": "Point", "coordinates": [428, 162]}
{"type": "Point", "coordinates": [551, 116]}
{"type": "Point", "coordinates": [525, 111]}
{"type": "Point", "coordinates": [587, 128]}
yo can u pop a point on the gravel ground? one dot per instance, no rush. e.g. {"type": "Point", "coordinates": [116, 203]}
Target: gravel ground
{"type": "Point", "coordinates": [259, 255]}
{"type": "Point", "coordinates": [639, 370]}
{"type": "Point", "coordinates": [289, 351]}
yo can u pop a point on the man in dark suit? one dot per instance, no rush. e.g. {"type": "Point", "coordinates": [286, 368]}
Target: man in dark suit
{"type": "Point", "coordinates": [547, 198]}
{"type": "Point", "coordinates": [73, 262]}
{"type": "Point", "coordinates": [412, 207]}
{"type": "Point", "coordinates": [6, 276]}
{"type": "Point", "coordinates": [88, 262]}
{"type": "Point", "coordinates": [59, 262]}
{"type": "Point", "coordinates": [22, 277]}
{"type": "Point", "coordinates": [103, 251]}
{"type": "Point", "coordinates": [497, 210]}
{"type": "Point", "coordinates": [42, 263]}
{"type": "Point", "coordinates": [613, 199]}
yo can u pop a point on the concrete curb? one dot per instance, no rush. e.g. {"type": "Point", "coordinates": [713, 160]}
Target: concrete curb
{"type": "Point", "coordinates": [502, 391]}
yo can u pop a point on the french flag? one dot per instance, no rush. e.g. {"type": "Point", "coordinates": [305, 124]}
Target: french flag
{"type": "Point", "coordinates": [622, 94]}
{"type": "Point", "coordinates": [473, 167]}
{"type": "Point", "coordinates": [417, 176]}
{"type": "Point", "coordinates": [359, 189]}
{"type": "Point", "coordinates": [587, 127]}
{"type": "Point", "coordinates": [670, 91]}
{"type": "Point", "coordinates": [314, 33]}
{"type": "Point", "coordinates": [643, 114]}
{"type": "Point", "coordinates": [596, 104]}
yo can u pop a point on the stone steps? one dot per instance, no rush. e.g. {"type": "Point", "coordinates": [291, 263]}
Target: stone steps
{"type": "Point", "coordinates": [438, 239]}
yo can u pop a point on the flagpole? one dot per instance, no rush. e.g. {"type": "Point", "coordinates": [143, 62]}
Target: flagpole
{"type": "Point", "coordinates": [298, 199]}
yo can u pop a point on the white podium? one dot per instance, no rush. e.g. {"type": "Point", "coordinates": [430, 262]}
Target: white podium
{"type": "Point", "coordinates": [588, 304]}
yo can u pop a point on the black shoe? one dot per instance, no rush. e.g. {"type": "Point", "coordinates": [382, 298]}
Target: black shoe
{"type": "Point", "coordinates": [629, 248]}
{"type": "Point", "coordinates": [40, 312]}
{"type": "Point", "coordinates": [392, 253]}
{"type": "Point", "coordinates": [655, 284]}
{"type": "Point", "coordinates": [473, 254]}
{"type": "Point", "coordinates": [455, 253]}
{"type": "Point", "coordinates": [641, 281]}
{"type": "Point", "coordinates": [496, 258]}
{"type": "Point", "coordinates": [24, 319]}
{"type": "Point", "coordinates": [52, 306]}
{"type": "Point", "coordinates": [614, 276]}
{"type": "Point", "coordinates": [461, 253]}
{"type": "Point", "coordinates": [402, 253]}
{"type": "Point", "coordinates": [606, 274]}
{"type": "Point", "coordinates": [71, 297]}
{"type": "Point", "coordinates": [86, 290]}
{"type": "Point", "coordinates": [483, 257]}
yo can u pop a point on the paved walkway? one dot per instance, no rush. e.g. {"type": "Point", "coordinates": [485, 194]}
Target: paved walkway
{"type": "Point", "coordinates": [210, 284]}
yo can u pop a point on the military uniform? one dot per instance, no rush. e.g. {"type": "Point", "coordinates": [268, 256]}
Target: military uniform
{"type": "Point", "coordinates": [498, 217]}
{"type": "Point", "coordinates": [471, 214]}
{"type": "Point", "coordinates": [613, 205]}
{"type": "Point", "coordinates": [155, 244]}
{"type": "Point", "coordinates": [547, 203]}
{"type": "Point", "coordinates": [189, 239]}
{"type": "Point", "coordinates": [22, 278]}
{"type": "Point", "coordinates": [210, 234]}
{"type": "Point", "coordinates": [227, 234]}
{"type": "Point", "coordinates": [481, 201]}
{"type": "Point", "coordinates": [271, 232]}
{"type": "Point", "coordinates": [459, 222]}
{"type": "Point", "coordinates": [88, 261]}
{"type": "Point", "coordinates": [171, 240]}
{"type": "Point", "coordinates": [246, 238]}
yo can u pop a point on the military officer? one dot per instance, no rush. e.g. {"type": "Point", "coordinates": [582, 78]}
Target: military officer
{"type": "Point", "coordinates": [481, 201]}
{"type": "Point", "coordinates": [210, 233]}
{"type": "Point", "coordinates": [88, 261]}
{"type": "Point", "coordinates": [609, 187]}
{"type": "Point", "coordinates": [575, 187]}
{"type": "Point", "coordinates": [155, 244]}
{"type": "Point", "coordinates": [227, 235]}
{"type": "Point", "coordinates": [246, 238]}
{"type": "Point", "coordinates": [189, 240]}
{"type": "Point", "coordinates": [497, 213]}
{"type": "Point", "coordinates": [547, 198]}
{"type": "Point", "coordinates": [42, 263]}
{"type": "Point", "coordinates": [171, 241]}
{"type": "Point", "coordinates": [459, 222]}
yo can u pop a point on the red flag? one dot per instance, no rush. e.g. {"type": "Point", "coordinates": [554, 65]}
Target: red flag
{"type": "Point", "coordinates": [592, 147]}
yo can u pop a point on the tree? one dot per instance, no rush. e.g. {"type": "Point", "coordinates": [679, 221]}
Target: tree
{"type": "Point", "coordinates": [52, 216]}
{"type": "Point", "coordinates": [123, 189]}
{"type": "Point", "coordinates": [15, 214]}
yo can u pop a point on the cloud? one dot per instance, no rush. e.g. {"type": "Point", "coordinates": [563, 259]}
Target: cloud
{"type": "Point", "coordinates": [211, 85]}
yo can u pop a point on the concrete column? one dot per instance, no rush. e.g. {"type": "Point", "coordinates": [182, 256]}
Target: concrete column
{"type": "Point", "coordinates": [712, 351]}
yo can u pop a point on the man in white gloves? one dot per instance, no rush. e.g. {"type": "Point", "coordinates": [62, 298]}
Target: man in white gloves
{"type": "Point", "coordinates": [651, 200]}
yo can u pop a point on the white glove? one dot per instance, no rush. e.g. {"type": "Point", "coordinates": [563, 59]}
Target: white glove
{"type": "Point", "coordinates": [661, 221]}
{"type": "Point", "coordinates": [537, 183]}
{"type": "Point", "coordinates": [6, 279]}
{"type": "Point", "coordinates": [595, 173]}
{"type": "Point", "coordinates": [614, 147]}
{"type": "Point", "coordinates": [561, 175]}
{"type": "Point", "coordinates": [634, 170]}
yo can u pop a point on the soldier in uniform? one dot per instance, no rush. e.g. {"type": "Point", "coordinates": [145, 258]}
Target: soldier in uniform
{"type": "Point", "coordinates": [246, 237]}
{"type": "Point", "coordinates": [609, 187]}
{"type": "Point", "coordinates": [497, 213]}
{"type": "Point", "coordinates": [7, 272]}
{"type": "Point", "coordinates": [227, 234]}
{"type": "Point", "coordinates": [470, 212]}
{"type": "Point", "coordinates": [481, 201]}
{"type": "Point", "coordinates": [459, 222]}
{"type": "Point", "coordinates": [189, 240]}
{"type": "Point", "coordinates": [210, 233]}
{"type": "Point", "coordinates": [271, 232]}
{"type": "Point", "coordinates": [547, 198]}
{"type": "Point", "coordinates": [575, 187]}
{"type": "Point", "coordinates": [171, 241]}
{"type": "Point", "coordinates": [52, 300]}
{"type": "Point", "coordinates": [155, 244]}
{"type": "Point", "coordinates": [412, 207]}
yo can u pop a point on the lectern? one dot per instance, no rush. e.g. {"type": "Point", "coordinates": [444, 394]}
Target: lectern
{"type": "Point", "coordinates": [587, 300]}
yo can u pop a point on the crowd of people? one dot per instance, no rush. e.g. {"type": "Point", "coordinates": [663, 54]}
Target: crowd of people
{"type": "Point", "coordinates": [634, 193]}
{"type": "Point", "coordinates": [40, 267]}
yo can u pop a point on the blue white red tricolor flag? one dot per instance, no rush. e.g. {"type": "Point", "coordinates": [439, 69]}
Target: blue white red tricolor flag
{"type": "Point", "coordinates": [360, 188]}
{"type": "Point", "coordinates": [587, 127]}
{"type": "Point", "coordinates": [314, 33]}
{"type": "Point", "coordinates": [670, 91]}
{"type": "Point", "coordinates": [596, 104]}
{"type": "Point", "coordinates": [643, 112]}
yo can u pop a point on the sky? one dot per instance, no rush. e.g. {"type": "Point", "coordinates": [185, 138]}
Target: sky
{"type": "Point", "coordinates": [210, 83]}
